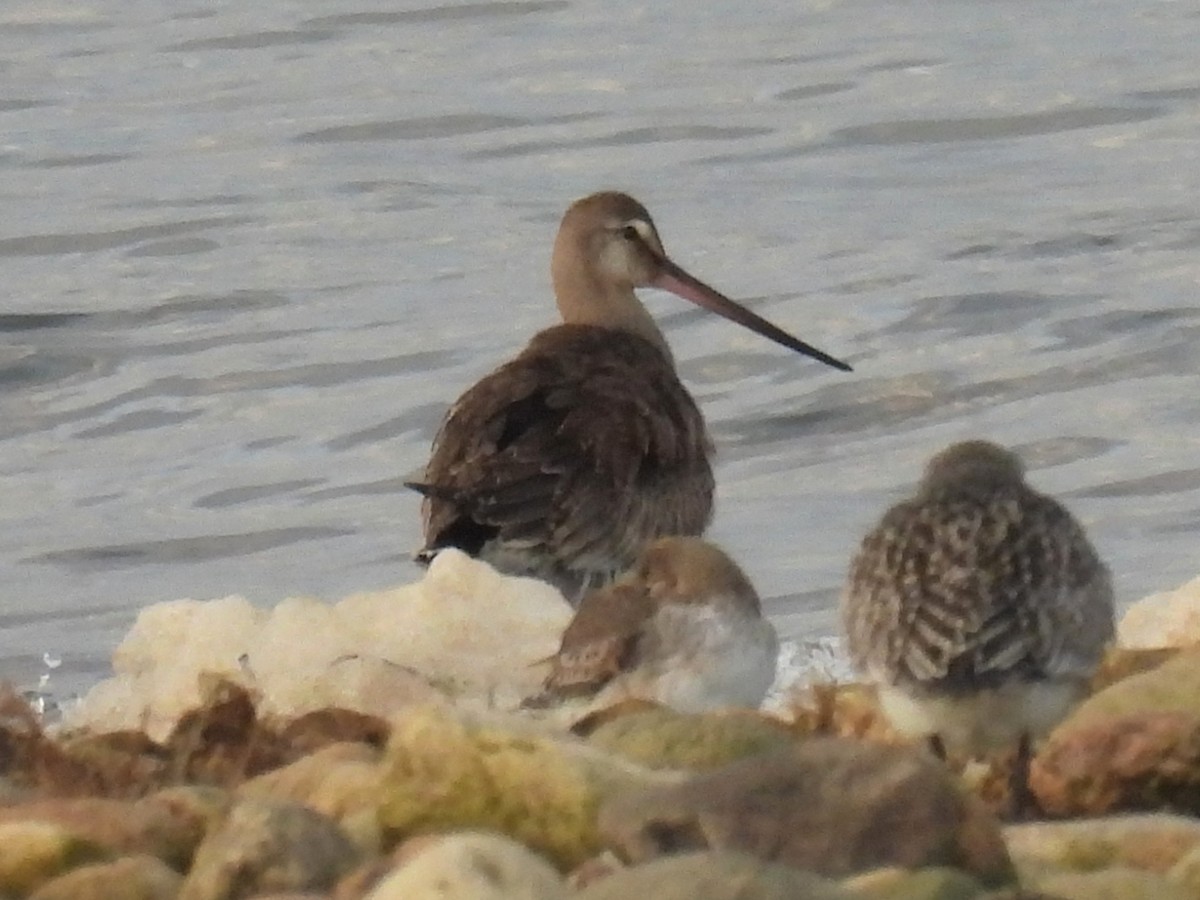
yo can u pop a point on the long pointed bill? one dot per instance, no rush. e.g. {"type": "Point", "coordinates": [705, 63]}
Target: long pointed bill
{"type": "Point", "coordinates": [678, 282]}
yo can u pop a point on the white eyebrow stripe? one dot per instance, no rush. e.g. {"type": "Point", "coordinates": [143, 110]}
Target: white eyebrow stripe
{"type": "Point", "coordinates": [642, 227]}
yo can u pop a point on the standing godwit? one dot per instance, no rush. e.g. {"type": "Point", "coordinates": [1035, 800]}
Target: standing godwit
{"type": "Point", "coordinates": [564, 462]}
{"type": "Point", "coordinates": [683, 628]}
{"type": "Point", "coordinates": [979, 607]}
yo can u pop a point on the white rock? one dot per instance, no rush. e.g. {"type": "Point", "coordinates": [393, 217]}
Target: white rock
{"type": "Point", "coordinates": [473, 866]}
{"type": "Point", "coordinates": [1166, 619]}
{"type": "Point", "coordinates": [463, 630]}
{"type": "Point", "coordinates": [464, 625]}
{"type": "Point", "coordinates": [158, 664]}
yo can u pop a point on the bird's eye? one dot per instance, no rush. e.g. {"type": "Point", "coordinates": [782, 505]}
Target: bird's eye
{"type": "Point", "coordinates": [630, 233]}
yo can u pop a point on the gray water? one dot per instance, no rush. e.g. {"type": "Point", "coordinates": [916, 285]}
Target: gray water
{"type": "Point", "coordinates": [250, 252]}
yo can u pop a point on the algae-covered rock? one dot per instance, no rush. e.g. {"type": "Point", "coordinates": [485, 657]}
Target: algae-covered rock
{"type": "Point", "coordinates": [1112, 884]}
{"type": "Point", "coordinates": [1136, 761]}
{"type": "Point", "coordinates": [32, 852]}
{"type": "Point", "coordinates": [829, 805]}
{"type": "Point", "coordinates": [472, 866]}
{"type": "Point", "coordinates": [662, 738]}
{"type": "Point", "coordinates": [264, 846]}
{"type": "Point", "coordinates": [128, 878]}
{"type": "Point", "coordinates": [713, 876]}
{"type": "Point", "coordinates": [914, 884]}
{"type": "Point", "coordinates": [441, 773]}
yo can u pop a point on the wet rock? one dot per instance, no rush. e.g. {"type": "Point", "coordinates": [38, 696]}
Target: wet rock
{"type": "Point", "coordinates": [830, 805]}
{"type": "Point", "coordinates": [1167, 619]}
{"type": "Point", "coordinates": [472, 866]}
{"type": "Point", "coordinates": [1112, 884]}
{"type": "Point", "coordinates": [662, 738]}
{"type": "Point", "coordinates": [1137, 761]}
{"type": "Point", "coordinates": [263, 847]}
{"type": "Point", "coordinates": [441, 773]}
{"type": "Point", "coordinates": [914, 884]}
{"type": "Point", "coordinates": [33, 852]}
{"type": "Point", "coordinates": [129, 878]}
{"type": "Point", "coordinates": [713, 876]}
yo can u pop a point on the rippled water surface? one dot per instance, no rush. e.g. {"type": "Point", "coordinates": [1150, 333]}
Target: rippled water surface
{"type": "Point", "coordinates": [250, 252]}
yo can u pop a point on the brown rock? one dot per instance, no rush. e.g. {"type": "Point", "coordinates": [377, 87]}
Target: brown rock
{"type": "Point", "coordinates": [129, 878]}
{"type": "Point", "coordinates": [1146, 760]}
{"type": "Point", "coordinates": [264, 847]}
{"type": "Point", "coordinates": [713, 876]}
{"type": "Point", "coordinates": [122, 827]}
{"type": "Point", "coordinates": [323, 727]}
{"type": "Point", "coordinates": [830, 805]}
{"type": "Point", "coordinates": [841, 710]}
{"type": "Point", "coordinates": [223, 741]}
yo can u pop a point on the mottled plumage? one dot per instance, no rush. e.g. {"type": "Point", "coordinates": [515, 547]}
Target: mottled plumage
{"type": "Point", "coordinates": [683, 627]}
{"type": "Point", "coordinates": [978, 606]}
{"type": "Point", "coordinates": [565, 461]}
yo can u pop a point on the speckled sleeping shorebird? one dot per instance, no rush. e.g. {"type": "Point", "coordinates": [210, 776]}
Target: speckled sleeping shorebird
{"type": "Point", "coordinates": [979, 607]}
{"type": "Point", "coordinates": [683, 628]}
{"type": "Point", "coordinates": [562, 463]}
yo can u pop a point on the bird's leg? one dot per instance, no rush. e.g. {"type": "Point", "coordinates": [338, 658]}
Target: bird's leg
{"type": "Point", "coordinates": [937, 746]}
{"type": "Point", "coordinates": [1023, 803]}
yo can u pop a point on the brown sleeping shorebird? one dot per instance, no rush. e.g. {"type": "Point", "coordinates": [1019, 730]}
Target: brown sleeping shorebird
{"type": "Point", "coordinates": [564, 462]}
{"type": "Point", "coordinates": [979, 607]}
{"type": "Point", "coordinates": [683, 628]}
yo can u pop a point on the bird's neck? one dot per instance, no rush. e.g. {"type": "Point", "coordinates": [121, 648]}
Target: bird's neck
{"type": "Point", "coordinates": [589, 301]}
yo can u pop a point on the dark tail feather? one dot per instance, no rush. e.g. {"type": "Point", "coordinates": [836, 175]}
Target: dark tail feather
{"type": "Point", "coordinates": [434, 491]}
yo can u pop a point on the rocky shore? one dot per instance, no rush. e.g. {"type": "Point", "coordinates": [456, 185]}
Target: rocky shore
{"type": "Point", "coordinates": [389, 760]}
